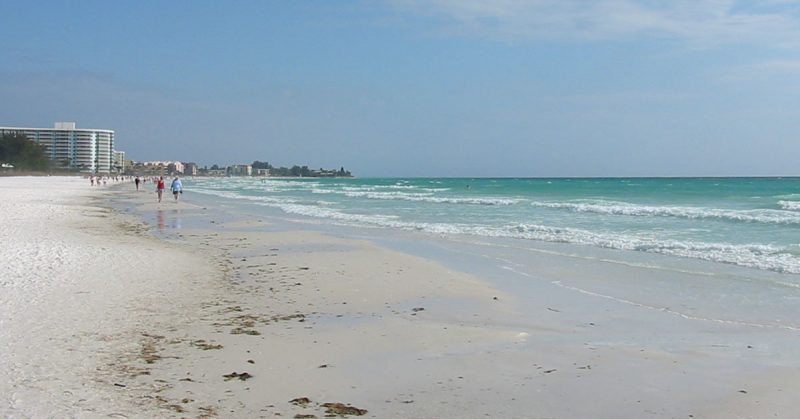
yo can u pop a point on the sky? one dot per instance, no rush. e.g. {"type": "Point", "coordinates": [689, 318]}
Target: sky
{"type": "Point", "coordinates": [516, 88]}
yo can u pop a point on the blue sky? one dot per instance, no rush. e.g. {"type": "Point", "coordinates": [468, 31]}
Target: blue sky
{"type": "Point", "coordinates": [420, 88]}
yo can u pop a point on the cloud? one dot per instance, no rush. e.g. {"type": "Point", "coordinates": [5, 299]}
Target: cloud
{"type": "Point", "coordinates": [781, 73]}
{"type": "Point", "coordinates": [790, 67]}
{"type": "Point", "coordinates": [701, 23]}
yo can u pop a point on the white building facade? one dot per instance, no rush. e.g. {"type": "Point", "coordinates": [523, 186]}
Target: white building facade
{"type": "Point", "coordinates": [86, 150]}
{"type": "Point", "coordinates": [119, 161]}
{"type": "Point", "coordinates": [240, 170]}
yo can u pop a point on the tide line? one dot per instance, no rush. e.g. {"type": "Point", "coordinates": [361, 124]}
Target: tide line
{"type": "Point", "coordinates": [677, 313]}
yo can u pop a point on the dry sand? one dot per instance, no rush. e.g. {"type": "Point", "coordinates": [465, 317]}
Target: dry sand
{"type": "Point", "coordinates": [100, 318]}
{"type": "Point", "coordinates": [82, 288]}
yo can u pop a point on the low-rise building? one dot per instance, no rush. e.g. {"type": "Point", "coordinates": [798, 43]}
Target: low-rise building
{"type": "Point", "coordinates": [216, 172]}
{"type": "Point", "coordinates": [119, 161]}
{"type": "Point", "coordinates": [240, 170]}
{"type": "Point", "coordinates": [164, 166]}
{"type": "Point", "coordinates": [190, 169]}
{"type": "Point", "coordinates": [175, 167]}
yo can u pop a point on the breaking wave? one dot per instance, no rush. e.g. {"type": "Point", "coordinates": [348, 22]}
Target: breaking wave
{"type": "Point", "coordinates": [790, 205]}
{"type": "Point", "coordinates": [623, 208]}
{"type": "Point", "coordinates": [427, 197]}
{"type": "Point", "coordinates": [760, 256]}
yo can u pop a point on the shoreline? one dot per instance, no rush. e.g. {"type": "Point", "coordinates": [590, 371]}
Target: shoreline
{"type": "Point", "coordinates": [339, 319]}
{"type": "Point", "coordinates": [316, 296]}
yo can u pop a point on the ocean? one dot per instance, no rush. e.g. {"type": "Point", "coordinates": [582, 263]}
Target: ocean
{"type": "Point", "coordinates": [747, 222]}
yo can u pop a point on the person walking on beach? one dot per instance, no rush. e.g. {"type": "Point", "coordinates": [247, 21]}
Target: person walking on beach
{"type": "Point", "coordinates": [136, 181]}
{"type": "Point", "coordinates": [160, 188]}
{"type": "Point", "coordinates": [177, 188]}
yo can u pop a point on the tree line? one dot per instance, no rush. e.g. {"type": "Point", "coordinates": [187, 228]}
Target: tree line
{"type": "Point", "coordinates": [24, 154]}
{"type": "Point", "coordinates": [300, 171]}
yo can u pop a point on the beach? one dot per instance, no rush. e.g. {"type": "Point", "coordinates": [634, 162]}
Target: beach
{"type": "Point", "coordinates": [114, 305]}
{"type": "Point", "coordinates": [82, 289]}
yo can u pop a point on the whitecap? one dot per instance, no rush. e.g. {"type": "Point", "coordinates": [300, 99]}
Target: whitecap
{"type": "Point", "coordinates": [790, 205]}
{"type": "Point", "coordinates": [624, 208]}
{"type": "Point", "coordinates": [766, 257]}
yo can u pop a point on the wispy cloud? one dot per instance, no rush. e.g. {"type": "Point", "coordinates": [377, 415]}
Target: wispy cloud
{"type": "Point", "coordinates": [781, 72]}
{"type": "Point", "coordinates": [698, 22]}
{"type": "Point", "coordinates": [791, 67]}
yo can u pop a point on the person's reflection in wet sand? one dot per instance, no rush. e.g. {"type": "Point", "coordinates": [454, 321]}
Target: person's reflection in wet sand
{"type": "Point", "coordinates": [160, 220]}
{"type": "Point", "coordinates": [176, 221]}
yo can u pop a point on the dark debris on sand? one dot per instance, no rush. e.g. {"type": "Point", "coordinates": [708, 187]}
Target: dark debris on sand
{"type": "Point", "coordinates": [242, 376]}
{"type": "Point", "coordinates": [331, 409]}
{"type": "Point", "coordinates": [202, 344]}
{"type": "Point", "coordinates": [343, 409]}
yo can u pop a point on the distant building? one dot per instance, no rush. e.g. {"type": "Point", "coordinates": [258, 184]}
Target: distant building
{"type": "Point", "coordinates": [262, 172]}
{"type": "Point", "coordinates": [324, 173]}
{"type": "Point", "coordinates": [175, 167]}
{"type": "Point", "coordinates": [168, 166]}
{"type": "Point", "coordinates": [86, 150]}
{"type": "Point", "coordinates": [190, 169]}
{"type": "Point", "coordinates": [119, 161]}
{"type": "Point", "coordinates": [241, 170]}
{"type": "Point", "coordinates": [216, 172]}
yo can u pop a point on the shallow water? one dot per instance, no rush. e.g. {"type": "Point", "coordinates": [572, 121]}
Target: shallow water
{"type": "Point", "coordinates": [750, 222]}
{"type": "Point", "coordinates": [699, 288]}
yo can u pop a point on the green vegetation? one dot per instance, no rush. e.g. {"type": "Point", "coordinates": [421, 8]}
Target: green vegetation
{"type": "Point", "coordinates": [16, 149]}
{"type": "Point", "coordinates": [298, 171]}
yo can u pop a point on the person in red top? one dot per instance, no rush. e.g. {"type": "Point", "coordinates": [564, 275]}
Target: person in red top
{"type": "Point", "coordinates": [160, 188]}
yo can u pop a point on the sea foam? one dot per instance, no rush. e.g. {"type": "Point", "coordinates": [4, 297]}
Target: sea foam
{"type": "Point", "coordinates": [429, 197]}
{"type": "Point", "coordinates": [623, 208]}
{"type": "Point", "coordinates": [762, 238]}
{"type": "Point", "coordinates": [760, 256]}
{"type": "Point", "coordinates": [790, 205]}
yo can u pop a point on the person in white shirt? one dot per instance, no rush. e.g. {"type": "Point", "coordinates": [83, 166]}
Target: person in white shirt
{"type": "Point", "coordinates": [177, 188]}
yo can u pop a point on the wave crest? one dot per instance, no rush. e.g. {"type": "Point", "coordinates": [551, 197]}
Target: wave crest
{"type": "Point", "coordinates": [623, 208]}
{"type": "Point", "coordinates": [790, 205]}
{"type": "Point", "coordinates": [765, 257]}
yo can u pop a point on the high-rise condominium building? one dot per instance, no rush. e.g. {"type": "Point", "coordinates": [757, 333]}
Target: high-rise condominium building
{"type": "Point", "coordinates": [87, 150]}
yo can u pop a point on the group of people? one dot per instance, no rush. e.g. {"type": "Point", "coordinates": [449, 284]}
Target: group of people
{"type": "Point", "coordinates": [103, 180]}
{"type": "Point", "coordinates": [176, 186]}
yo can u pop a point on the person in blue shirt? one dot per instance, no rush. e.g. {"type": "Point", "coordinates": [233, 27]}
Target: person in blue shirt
{"type": "Point", "coordinates": [177, 188]}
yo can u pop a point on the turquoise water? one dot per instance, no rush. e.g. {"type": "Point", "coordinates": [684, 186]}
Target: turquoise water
{"type": "Point", "coordinates": [750, 222]}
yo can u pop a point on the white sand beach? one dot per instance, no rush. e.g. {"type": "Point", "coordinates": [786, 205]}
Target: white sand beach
{"type": "Point", "coordinates": [101, 318]}
{"type": "Point", "coordinates": [81, 288]}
